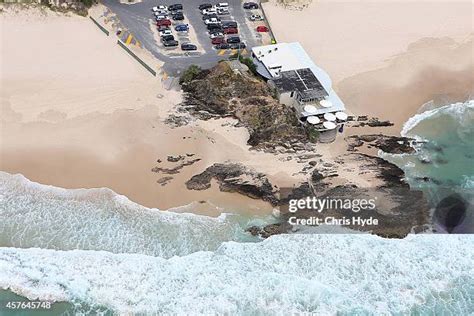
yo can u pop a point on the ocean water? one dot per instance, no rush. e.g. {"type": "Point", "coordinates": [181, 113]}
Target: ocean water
{"type": "Point", "coordinates": [94, 252]}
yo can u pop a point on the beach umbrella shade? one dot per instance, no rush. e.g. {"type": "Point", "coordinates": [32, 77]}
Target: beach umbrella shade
{"type": "Point", "coordinates": [311, 109]}
{"type": "Point", "coordinates": [329, 125]}
{"type": "Point", "coordinates": [325, 103]}
{"type": "Point", "coordinates": [313, 120]}
{"type": "Point", "coordinates": [341, 116]}
{"type": "Point", "coordinates": [329, 117]}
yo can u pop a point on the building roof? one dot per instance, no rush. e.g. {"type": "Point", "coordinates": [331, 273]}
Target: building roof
{"type": "Point", "coordinates": [273, 60]}
{"type": "Point", "coordinates": [303, 81]}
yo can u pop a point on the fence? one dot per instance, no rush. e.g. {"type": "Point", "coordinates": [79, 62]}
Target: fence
{"type": "Point", "coordinates": [137, 58]}
{"type": "Point", "coordinates": [100, 26]}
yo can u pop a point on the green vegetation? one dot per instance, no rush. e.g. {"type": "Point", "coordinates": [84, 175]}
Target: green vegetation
{"type": "Point", "coordinates": [313, 134]}
{"type": "Point", "coordinates": [189, 74]}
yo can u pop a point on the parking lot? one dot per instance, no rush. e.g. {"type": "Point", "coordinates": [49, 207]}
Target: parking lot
{"type": "Point", "coordinates": [138, 19]}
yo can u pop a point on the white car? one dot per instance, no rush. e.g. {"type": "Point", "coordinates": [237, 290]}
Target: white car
{"type": "Point", "coordinates": [166, 32]}
{"type": "Point", "coordinates": [160, 12]}
{"type": "Point", "coordinates": [222, 11]}
{"type": "Point", "coordinates": [222, 5]}
{"type": "Point", "coordinates": [256, 17]}
{"type": "Point", "coordinates": [211, 21]}
{"type": "Point", "coordinates": [161, 17]}
{"type": "Point", "coordinates": [214, 35]}
{"type": "Point", "coordinates": [160, 7]}
{"type": "Point", "coordinates": [209, 11]}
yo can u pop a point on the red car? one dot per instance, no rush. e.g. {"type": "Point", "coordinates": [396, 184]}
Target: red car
{"type": "Point", "coordinates": [231, 30]}
{"type": "Point", "coordinates": [217, 40]}
{"type": "Point", "coordinates": [164, 22]}
{"type": "Point", "coordinates": [262, 28]}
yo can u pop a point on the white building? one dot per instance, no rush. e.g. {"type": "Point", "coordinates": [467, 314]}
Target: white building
{"type": "Point", "coordinates": [298, 81]}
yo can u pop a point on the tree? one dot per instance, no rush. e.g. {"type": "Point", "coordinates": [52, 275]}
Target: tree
{"type": "Point", "coordinates": [189, 74]}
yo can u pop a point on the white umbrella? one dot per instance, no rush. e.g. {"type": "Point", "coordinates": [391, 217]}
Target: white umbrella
{"type": "Point", "coordinates": [329, 125]}
{"type": "Point", "coordinates": [329, 117]}
{"type": "Point", "coordinates": [325, 103]}
{"type": "Point", "coordinates": [313, 120]}
{"type": "Point", "coordinates": [341, 116]}
{"type": "Point", "coordinates": [311, 109]}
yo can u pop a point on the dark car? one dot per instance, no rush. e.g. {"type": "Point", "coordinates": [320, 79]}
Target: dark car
{"type": "Point", "coordinates": [211, 27]}
{"type": "Point", "coordinates": [178, 16]}
{"type": "Point", "coordinates": [222, 46]}
{"type": "Point", "coordinates": [205, 6]}
{"type": "Point", "coordinates": [215, 31]}
{"type": "Point", "coordinates": [175, 7]}
{"type": "Point", "coordinates": [167, 38]}
{"type": "Point", "coordinates": [181, 28]}
{"type": "Point", "coordinates": [170, 43]}
{"type": "Point", "coordinates": [238, 46]}
{"type": "Point", "coordinates": [217, 40]}
{"type": "Point", "coordinates": [233, 39]}
{"type": "Point", "coordinates": [188, 46]}
{"type": "Point", "coordinates": [231, 30]}
{"type": "Point", "coordinates": [250, 5]}
{"type": "Point", "coordinates": [227, 24]}
{"type": "Point", "coordinates": [210, 16]}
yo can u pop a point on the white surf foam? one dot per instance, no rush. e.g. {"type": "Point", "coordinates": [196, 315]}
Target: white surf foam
{"type": "Point", "coordinates": [324, 274]}
{"type": "Point", "coordinates": [35, 215]}
{"type": "Point", "coordinates": [456, 110]}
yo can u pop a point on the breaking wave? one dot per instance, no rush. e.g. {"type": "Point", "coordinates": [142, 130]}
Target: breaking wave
{"type": "Point", "coordinates": [285, 274]}
{"type": "Point", "coordinates": [36, 215]}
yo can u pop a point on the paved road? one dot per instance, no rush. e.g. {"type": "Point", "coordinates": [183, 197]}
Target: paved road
{"type": "Point", "coordinates": [136, 19]}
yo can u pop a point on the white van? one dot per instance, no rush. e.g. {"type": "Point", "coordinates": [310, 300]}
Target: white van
{"type": "Point", "coordinates": [222, 5]}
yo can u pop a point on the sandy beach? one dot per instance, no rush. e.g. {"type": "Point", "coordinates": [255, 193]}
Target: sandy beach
{"type": "Point", "coordinates": [387, 54]}
{"type": "Point", "coordinates": [81, 113]}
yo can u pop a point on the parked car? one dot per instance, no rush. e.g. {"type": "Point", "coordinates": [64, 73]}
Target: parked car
{"type": "Point", "coordinates": [227, 24]}
{"type": "Point", "coordinates": [212, 21]}
{"type": "Point", "coordinates": [262, 28]}
{"type": "Point", "coordinates": [231, 30]}
{"type": "Point", "coordinates": [250, 5]}
{"type": "Point", "coordinates": [222, 5]}
{"type": "Point", "coordinates": [175, 7]}
{"type": "Point", "coordinates": [188, 46]}
{"type": "Point", "coordinates": [170, 43]}
{"type": "Point", "coordinates": [233, 39]}
{"type": "Point", "coordinates": [204, 6]}
{"type": "Point", "coordinates": [256, 17]}
{"type": "Point", "coordinates": [160, 12]}
{"type": "Point", "coordinates": [216, 34]}
{"type": "Point", "coordinates": [223, 11]}
{"type": "Point", "coordinates": [211, 27]}
{"type": "Point", "coordinates": [238, 46]}
{"type": "Point", "coordinates": [209, 11]}
{"type": "Point", "coordinates": [163, 28]}
{"type": "Point", "coordinates": [178, 16]}
{"type": "Point", "coordinates": [166, 32]}
{"type": "Point", "coordinates": [210, 16]}
{"type": "Point", "coordinates": [166, 38]}
{"type": "Point", "coordinates": [217, 40]}
{"type": "Point", "coordinates": [161, 17]}
{"type": "Point", "coordinates": [181, 28]}
{"type": "Point", "coordinates": [165, 22]}
{"type": "Point", "coordinates": [222, 46]}
{"type": "Point", "coordinates": [160, 7]}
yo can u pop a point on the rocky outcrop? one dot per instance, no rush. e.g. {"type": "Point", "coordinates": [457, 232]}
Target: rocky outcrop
{"type": "Point", "coordinates": [388, 144]}
{"type": "Point", "coordinates": [234, 177]}
{"type": "Point", "coordinates": [221, 92]}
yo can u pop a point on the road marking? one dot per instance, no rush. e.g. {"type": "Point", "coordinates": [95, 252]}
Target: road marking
{"type": "Point", "coordinates": [138, 43]}
{"type": "Point", "coordinates": [221, 52]}
{"type": "Point", "coordinates": [129, 39]}
{"type": "Point", "coordinates": [234, 51]}
{"type": "Point", "coordinates": [244, 52]}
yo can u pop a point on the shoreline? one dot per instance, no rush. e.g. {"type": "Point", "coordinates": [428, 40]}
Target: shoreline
{"type": "Point", "coordinates": [90, 151]}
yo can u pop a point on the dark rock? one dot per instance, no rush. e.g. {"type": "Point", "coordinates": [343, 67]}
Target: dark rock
{"type": "Point", "coordinates": [164, 181]}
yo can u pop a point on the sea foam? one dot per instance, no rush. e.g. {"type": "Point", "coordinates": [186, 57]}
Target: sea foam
{"type": "Point", "coordinates": [324, 274]}
{"type": "Point", "coordinates": [36, 215]}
